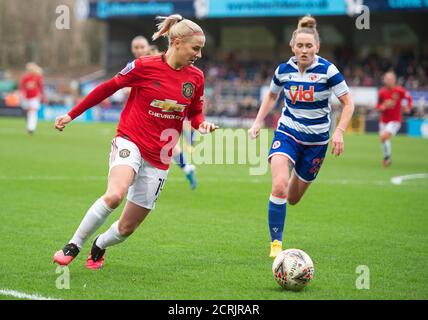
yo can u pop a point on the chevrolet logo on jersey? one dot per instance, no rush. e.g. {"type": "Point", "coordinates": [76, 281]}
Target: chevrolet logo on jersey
{"type": "Point", "coordinates": [168, 105]}
{"type": "Point", "coordinates": [301, 95]}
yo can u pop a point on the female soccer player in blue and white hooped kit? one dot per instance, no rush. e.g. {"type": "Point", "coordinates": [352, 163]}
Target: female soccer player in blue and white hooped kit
{"type": "Point", "coordinates": [302, 134]}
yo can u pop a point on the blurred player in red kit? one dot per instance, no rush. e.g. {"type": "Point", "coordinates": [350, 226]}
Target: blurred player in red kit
{"type": "Point", "coordinates": [32, 93]}
{"type": "Point", "coordinates": [391, 101]}
{"type": "Point", "coordinates": [165, 89]}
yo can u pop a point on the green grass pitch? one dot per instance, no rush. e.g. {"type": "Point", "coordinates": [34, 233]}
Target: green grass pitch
{"type": "Point", "coordinates": [212, 243]}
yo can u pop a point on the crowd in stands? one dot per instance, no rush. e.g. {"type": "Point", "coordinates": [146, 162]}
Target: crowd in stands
{"type": "Point", "coordinates": [412, 72]}
{"type": "Point", "coordinates": [235, 88]}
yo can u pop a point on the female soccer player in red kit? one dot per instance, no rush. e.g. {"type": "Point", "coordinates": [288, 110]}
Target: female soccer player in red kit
{"type": "Point", "coordinates": [390, 103]}
{"type": "Point", "coordinates": [165, 89]}
{"type": "Point", "coordinates": [31, 88]}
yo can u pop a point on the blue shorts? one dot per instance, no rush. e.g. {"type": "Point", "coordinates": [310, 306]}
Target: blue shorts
{"type": "Point", "coordinates": [307, 160]}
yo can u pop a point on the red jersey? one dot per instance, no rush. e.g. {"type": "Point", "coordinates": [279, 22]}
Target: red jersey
{"type": "Point", "coordinates": [394, 99]}
{"type": "Point", "coordinates": [161, 98]}
{"type": "Point", "coordinates": [31, 85]}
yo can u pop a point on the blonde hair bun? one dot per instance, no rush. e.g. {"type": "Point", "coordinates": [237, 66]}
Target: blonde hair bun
{"type": "Point", "coordinates": [307, 22]}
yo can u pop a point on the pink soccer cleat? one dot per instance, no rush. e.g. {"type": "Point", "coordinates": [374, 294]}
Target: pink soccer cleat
{"type": "Point", "coordinates": [94, 265]}
{"type": "Point", "coordinates": [96, 257]}
{"type": "Point", "coordinates": [386, 162]}
{"type": "Point", "coordinates": [65, 256]}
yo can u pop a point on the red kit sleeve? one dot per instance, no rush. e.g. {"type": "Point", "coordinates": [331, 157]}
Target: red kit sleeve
{"type": "Point", "coordinates": [125, 78]}
{"type": "Point", "coordinates": [196, 115]}
{"type": "Point", "coordinates": [95, 97]}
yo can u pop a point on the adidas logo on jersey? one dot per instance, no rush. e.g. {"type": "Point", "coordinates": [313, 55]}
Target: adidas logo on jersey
{"type": "Point", "coordinates": [301, 95]}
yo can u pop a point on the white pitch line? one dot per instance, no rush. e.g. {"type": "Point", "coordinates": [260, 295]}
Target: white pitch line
{"type": "Point", "coordinates": [399, 180]}
{"type": "Point", "coordinates": [22, 295]}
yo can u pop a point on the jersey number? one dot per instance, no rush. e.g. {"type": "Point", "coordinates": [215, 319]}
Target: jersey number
{"type": "Point", "coordinates": [160, 186]}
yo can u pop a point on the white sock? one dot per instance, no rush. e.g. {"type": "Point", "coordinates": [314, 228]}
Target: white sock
{"type": "Point", "coordinates": [94, 218]}
{"type": "Point", "coordinates": [32, 120]}
{"type": "Point", "coordinates": [110, 237]}
{"type": "Point", "coordinates": [387, 148]}
{"type": "Point", "coordinates": [188, 168]}
{"type": "Point", "coordinates": [277, 200]}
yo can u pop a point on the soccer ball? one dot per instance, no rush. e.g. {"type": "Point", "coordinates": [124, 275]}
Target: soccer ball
{"type": "Point", "coordinates": [293, 269]}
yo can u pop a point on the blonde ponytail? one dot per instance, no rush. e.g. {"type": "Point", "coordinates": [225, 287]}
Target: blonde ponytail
{"type": "Point", "coordinates": [174, 26]}
{"type": "Point", "coordinates": [165, 25]}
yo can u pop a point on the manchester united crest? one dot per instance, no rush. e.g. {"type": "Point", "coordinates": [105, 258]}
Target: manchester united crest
{"type": "Point", "coordinates": [188, 89]}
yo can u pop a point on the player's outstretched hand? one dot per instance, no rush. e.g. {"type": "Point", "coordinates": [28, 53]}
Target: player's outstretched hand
{"type": "Point", "coordinates": [254, 131]}
{"type": "Point", "coordinates": [338, 146]}
{"type": "Point", "coordinates": [207, 127]}
{"type": "Point", "coordinates": [61, 121]}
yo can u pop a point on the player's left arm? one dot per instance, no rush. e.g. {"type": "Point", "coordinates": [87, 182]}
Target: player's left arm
{"type": "Point", "coordinates": [409, 100]}
{"type": "Point", "coordinates": [338, 144]}
{"type": "Point", "coordinates": [196, 115]}
{"type": "Point", "coordinates": [42, 90]}
{"type": "Point", "coordinates": [338, 85]}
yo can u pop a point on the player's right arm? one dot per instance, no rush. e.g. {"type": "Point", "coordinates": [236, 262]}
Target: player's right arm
{"type": "Point", "coordinates": [95, 97]}
{"type": "Point", "coordinates": [380, 106]}
{"type": "Point", "coordinates": [22, 88]}
{"type": "Point", "coordinates": [268, 104]}
{"type": "Point", "coordinates": [127, 77]}
{"type": "Point", "coordinates": [383, 103]}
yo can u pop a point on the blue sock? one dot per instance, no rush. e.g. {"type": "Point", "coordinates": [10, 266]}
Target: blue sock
{"type": "Point", "coordinates": [276, 217]}
{"type": "Point", "coordinates": [180, 160]}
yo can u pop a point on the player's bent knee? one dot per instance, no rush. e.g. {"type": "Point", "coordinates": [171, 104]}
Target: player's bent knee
{"type": "Point", "coordinates": [280, 190]}
{"type": "Point", "coordinates": [293, 200]}
{"type": "Point", "coordinates": [385, 137]}
{"type": "Point", "coordinates": [114, 199]}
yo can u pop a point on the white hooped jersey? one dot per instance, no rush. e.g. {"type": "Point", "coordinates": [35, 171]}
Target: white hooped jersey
{"type": "Point", "coordinates": [306, 114]}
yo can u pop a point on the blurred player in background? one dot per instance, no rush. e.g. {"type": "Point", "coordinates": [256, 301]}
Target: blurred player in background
{"type": "Point", "coordinates": [166, 89]}
{"type": "Point", "coordinates": [391, 101]}
{"type": "Point", "coordinates": [140, 47]}
{"type": "Point", "coordinates": [154, 50]}
{"type": "Point", "coordinates": [302, 134]}
{"type": "Point", "coordinates": [32, 93]}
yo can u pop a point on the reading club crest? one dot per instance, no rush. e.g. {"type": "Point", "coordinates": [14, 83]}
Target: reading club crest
{"type": "Point", "coordinates": [188, 89]}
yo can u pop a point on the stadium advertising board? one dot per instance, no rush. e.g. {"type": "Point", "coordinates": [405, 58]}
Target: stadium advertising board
{"type": "Point", "coordinates": [397, 5]}
{"type": "Point", "coordinates": [115, 9]}
{"type": "Point", "coordinates": [272, 8]}
{"type": "Point", "coordinates": [241, 8]}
